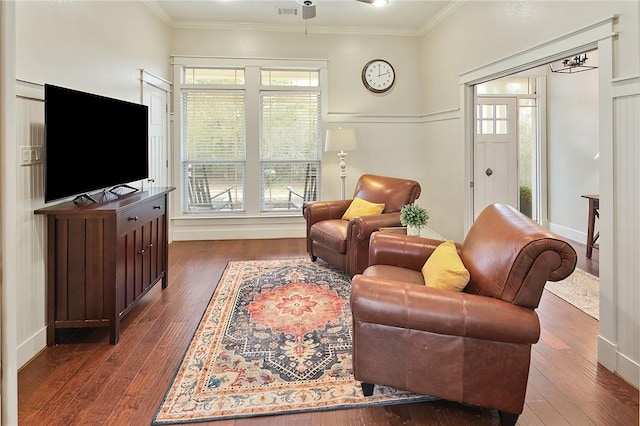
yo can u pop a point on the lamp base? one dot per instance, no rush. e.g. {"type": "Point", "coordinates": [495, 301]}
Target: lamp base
{"type": "Point", "coordinates": [343, 170]}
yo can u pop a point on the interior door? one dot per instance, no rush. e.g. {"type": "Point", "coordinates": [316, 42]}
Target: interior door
{"type": "Point", "coordinates": [495, 156]}
{"type": "Point", "coordinates": [156, 99]}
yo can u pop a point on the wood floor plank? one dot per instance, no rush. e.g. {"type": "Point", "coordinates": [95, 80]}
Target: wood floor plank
{"type": "Point", "coordinates": [88, 381]}
{"type": "Point", "coordinates": [552, 394]}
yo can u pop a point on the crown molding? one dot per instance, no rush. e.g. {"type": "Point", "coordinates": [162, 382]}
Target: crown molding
{"type": "Point", "coordinates": [309, 28]}
{"type": "Point", "coordinates": [159, 11]}
{"type": "Point", "coordinates": [441, 16]}
{"type": "Point", "coordinates": [306, 27]}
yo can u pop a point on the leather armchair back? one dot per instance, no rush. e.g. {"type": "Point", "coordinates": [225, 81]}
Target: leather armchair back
{"type": "Point", "coordinates": [393, 192]}
{"type": "Point", "coordinates": [528, 256]}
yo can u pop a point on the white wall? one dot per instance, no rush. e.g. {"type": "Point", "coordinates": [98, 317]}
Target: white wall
{"type": "Point", "coordinates": [572, 142]}
{"type": "Point", "coordinates": [92, 46]}
{"type": "Point", "coordinates": [485, 35]}
{"type": "Point", "coordinates": [388, 126]}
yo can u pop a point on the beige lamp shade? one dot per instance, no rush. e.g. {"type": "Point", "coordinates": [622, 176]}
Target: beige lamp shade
{"type": "Point", "coordinates": [340, 140]}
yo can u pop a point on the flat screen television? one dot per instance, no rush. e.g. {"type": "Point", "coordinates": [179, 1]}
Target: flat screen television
{"type": "Point", "coordinates": [92, 143]}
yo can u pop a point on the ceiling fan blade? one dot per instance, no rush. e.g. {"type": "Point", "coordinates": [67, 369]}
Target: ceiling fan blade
{"type": "Point", "coordinates": [308, 12]}
{"type": "Point", "coordinates": [366, 1]}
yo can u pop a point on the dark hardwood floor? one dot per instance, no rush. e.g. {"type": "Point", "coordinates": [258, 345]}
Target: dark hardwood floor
{"type": "Point", "coordinates": [88, 381]}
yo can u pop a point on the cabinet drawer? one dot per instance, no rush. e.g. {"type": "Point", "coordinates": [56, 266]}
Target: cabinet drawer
{"type": "Point", "coordinates": [140, 215]}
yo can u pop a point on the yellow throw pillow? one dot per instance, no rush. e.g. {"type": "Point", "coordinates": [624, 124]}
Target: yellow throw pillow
{"type": "Point", "coordinates": [360, 207]}
{"type": "Point", "coordinates": [444, 269]}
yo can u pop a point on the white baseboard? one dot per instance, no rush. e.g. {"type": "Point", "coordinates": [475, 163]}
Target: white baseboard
{"type": "Point", "coordinates": [629, 370]}
{"type": "Point", "coordinates": [571, 234]}
{"type": "Point", "coordinates": [618, 363]}
{"type": "Point", "coordinates": [31, 347]}
{"type": "Point", "coordinates": [237, 228]}
{"type": "Point", "coordinates": [607, 353]}
{"type": "Point", "coordinates": [234, 234]}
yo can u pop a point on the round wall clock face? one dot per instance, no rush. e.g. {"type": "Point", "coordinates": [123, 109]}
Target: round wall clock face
{"type": "Point", "coordinates": [378, 76]}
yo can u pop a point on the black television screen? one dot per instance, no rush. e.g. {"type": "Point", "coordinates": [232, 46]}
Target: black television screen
{"type": "Point", "coordinates": [92, 142]}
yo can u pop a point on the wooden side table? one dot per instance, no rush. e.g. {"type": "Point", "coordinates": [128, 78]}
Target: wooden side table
{"type": "Point", "coordinates": [594, 212]}
{"type": "Point", "coordinates": [424, 232]}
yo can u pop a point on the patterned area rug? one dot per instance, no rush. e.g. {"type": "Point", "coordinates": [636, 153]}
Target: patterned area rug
{"type": "Point", "coordinates": [581, 289]}
{"type": "Point", "coordinates": [274, 339]}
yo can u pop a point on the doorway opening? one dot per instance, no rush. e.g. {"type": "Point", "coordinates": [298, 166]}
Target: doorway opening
{"type": "Point", "coordinates": [510, 113]}
{"type": "Point", "coordinates": [554, 153]}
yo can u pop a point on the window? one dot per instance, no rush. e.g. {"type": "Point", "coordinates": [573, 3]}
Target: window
{"type": "Point", "coordinates": [251, 138]}
{"type": "Point", "coordinates": [492, 119]}
{"type": "Point", "coordinates": [290, 140]}
{"type": "Point", "coordinates": [214, 142]}
{"type": "Point", "coordinates": [213, 76]}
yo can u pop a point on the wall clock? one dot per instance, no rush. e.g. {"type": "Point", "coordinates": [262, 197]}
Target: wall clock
{"type": "Point", "coordinates": [378, 76]}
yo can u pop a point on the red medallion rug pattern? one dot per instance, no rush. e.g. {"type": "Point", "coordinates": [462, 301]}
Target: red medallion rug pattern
{"type": "Point", "coordinates": [274, 339]}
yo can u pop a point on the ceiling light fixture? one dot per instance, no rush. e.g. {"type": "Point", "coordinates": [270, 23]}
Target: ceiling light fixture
{"type": "Point", "coordinates": [574, 65]}
{"type": "Point", "coordinates": [380, 3]}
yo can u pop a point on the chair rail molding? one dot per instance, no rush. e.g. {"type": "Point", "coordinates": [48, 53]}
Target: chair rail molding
{"type": "Point", "coordinates": [354, 117]}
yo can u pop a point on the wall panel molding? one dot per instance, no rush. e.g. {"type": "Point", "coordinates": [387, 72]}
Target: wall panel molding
{"type": "Point", "coordinates": [626, 269]}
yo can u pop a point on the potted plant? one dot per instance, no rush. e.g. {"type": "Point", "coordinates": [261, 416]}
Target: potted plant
{"type": "Point", "coordinates": [525, 200]}
{"type": "Point", "coordinates": [413, 217]}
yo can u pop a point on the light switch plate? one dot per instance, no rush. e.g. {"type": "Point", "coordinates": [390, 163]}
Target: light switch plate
{"type": "Point", "coordinates": [30, 155]}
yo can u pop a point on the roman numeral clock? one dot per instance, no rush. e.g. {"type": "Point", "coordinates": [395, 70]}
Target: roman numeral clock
{"type": "Point", "coordinates": [378, 76]}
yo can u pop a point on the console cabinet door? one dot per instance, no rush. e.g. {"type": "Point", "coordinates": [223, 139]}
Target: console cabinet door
{"type": "Point", "coordinates": [143, 260]}
{"type": "Point", "coordinates": [129, 244]}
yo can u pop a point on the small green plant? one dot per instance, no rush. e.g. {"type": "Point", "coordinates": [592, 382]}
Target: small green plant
{"type": "Point", "coordinates": [414, 215]}
{"type": "Point", "coordinates": [525, 193]}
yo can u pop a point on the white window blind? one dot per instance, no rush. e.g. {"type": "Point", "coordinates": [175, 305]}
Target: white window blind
{"type": "Point", "coordinates": [290, 143]}
{"type": "Point", "coordinates": [214, 140]}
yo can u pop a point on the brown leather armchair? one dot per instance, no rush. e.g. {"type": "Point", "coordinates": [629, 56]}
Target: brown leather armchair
{"type": "Point", "coordinates": [345, 244]}
{"type": "Point", "coordinates": [474, 346]}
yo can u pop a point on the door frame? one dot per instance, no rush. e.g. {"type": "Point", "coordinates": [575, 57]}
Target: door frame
{"type": "Point", "coordinates": [598, 36]}
{"type": "Point", "coordinates": [153, 80]}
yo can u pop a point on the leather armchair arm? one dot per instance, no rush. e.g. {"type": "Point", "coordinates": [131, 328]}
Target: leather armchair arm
{"type": "Point", "coordinates": [324, 210]}
{"type": "Point", "coordinates": [415, 307]}
{"type": "Point", "coordinates": [360, 228]}
{"type": "Point", "coordinates": [400, 250]}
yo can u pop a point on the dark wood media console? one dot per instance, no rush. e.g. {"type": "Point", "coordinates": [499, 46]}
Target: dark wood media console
{"type": "Point", "coordinates": [102, 258]}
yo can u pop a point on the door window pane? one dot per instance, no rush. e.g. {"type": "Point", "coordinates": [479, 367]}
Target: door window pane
{"type": "Point", "coordinates": [501, 127]}
{"type": "Point", "coordinates": [501, 111]}
{"type": "Point", "coordinates": [487, 127]}
{"type": "Point", "coordinates": [508, 86]}
{"type": "Point", "coordinates": [527, 142]}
